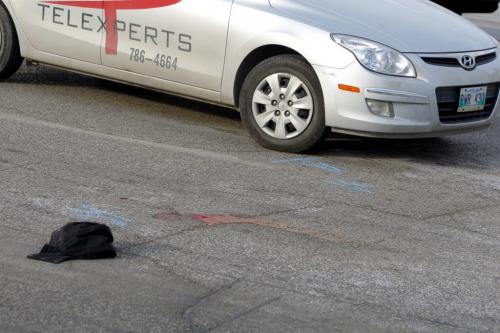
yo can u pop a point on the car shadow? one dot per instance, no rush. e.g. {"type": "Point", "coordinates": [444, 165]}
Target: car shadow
{"type": "Point", "coordinates": [474, 151]}
{"type": "Point", "coordinates": [171, 100]}
{"type": "Point", "coordinates": [45, 75]}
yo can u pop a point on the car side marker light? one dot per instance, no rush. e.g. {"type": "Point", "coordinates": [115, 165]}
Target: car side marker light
{"type": "Point", "coordinates": [348, 88]}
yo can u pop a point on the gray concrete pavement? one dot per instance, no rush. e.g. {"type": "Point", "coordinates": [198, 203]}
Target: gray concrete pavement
{"type": "Point", "coordinates": [217, 234]}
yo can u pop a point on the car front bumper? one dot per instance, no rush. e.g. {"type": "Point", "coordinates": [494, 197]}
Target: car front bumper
{"type": "Point", "coordinates": [415, 100]}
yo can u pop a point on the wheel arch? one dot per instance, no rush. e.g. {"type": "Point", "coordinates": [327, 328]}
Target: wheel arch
{"type": "Point", "coordinates": [255, 57]}
{"type": "Point", "coordinates": [24, 45]}
{"type": "Point", "coordinates": [5, 4]}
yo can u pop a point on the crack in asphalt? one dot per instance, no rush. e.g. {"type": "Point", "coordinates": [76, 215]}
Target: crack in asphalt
{"type": "Point", "coordinates": [292, 210]}
{"type": "Point", "coordinates": [460, 211]}
{"type": "Point", "coordinates": [187, 315]}
{"type": "Point", "coordinates": [245, 313]}
{"type": "Point", "coordinates": [472, 231]}
{"type": "Point", "coordinates": [189, 320]}
{"type": "Point", "coordinates": [149, 241]}
{"type": "Point", "coordinates": [159, 264]}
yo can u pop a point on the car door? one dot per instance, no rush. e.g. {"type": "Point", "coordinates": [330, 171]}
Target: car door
{"type": "Point", "coordinates": [183, 41]}
{"type": "Point", "coordinates": [68, 28]}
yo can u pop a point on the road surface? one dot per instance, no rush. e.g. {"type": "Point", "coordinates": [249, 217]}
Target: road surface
{"type": "Point", "coordinates": [216, 234]}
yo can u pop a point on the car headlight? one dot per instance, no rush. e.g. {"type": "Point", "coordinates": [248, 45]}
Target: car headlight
{"type": "Point", "coordinates": [377, 57]}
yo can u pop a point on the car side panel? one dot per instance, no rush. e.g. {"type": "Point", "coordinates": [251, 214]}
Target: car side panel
{"type": "Point", "coordinates": [184, 42]}
{"type": "Point", "coordinates": [68, 31]}
{"type": "Point", "coordinates": [98, 70]}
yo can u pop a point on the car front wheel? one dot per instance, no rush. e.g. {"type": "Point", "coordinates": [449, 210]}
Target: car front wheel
{"type": "Point", "coordinates": [282, 104]}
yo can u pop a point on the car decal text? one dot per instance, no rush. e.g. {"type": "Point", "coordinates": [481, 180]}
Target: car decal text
{"type": "Point", "coordinates": [110, 24]}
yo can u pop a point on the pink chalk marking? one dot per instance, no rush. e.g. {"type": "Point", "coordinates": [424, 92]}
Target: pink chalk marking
{"type": "Point", "coordinates": [210, 220]}
{"type": "Point", "coordinates": [213, 220]}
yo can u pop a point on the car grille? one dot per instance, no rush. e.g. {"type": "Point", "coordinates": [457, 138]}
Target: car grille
{"type": "Point", "coordinates": [448, 100]}
{"type": "Point", "coordinates": [453, 62]}
{"type": "Point", "coordinates": [486, 58]}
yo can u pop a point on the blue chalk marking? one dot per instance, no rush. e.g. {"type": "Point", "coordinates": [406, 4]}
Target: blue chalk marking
{"type": "Point", "coordinates": [89, 212]}
{"type": "Point", "coordinates": [322, 166]}
{"type": "Point", "coordinates": [355, 186]}
{"type": "Point", "coordinates": [311, 162]}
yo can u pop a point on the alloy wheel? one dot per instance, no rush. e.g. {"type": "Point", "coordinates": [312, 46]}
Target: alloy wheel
{"type": "Point", "coordinates": [282, 106]}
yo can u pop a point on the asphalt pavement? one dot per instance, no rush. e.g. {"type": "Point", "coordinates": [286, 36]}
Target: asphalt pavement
{"type": "Point", "coordinates": [216, 234]}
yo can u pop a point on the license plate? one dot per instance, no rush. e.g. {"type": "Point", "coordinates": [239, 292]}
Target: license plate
{"type": "Point", "coordinates": [472, 99]}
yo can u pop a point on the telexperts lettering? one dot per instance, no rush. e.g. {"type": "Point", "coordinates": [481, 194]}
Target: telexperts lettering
{"type": "Point", "coordinates": [57, 13]}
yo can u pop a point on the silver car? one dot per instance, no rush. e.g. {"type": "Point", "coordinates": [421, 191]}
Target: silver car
{"type": "Point", "coordinates": [294, 68]}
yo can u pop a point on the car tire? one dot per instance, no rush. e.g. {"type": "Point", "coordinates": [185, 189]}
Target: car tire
{"type": "Point", "coordinates": [290, 117]}
{"type": "Point", "coordinates": [10, 55]}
